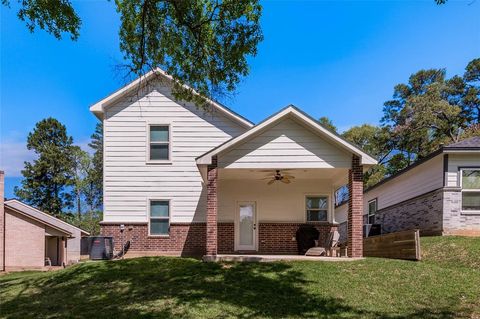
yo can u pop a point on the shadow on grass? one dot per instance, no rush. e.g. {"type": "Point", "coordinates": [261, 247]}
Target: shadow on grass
{"type": "Point", "coordinates": [174, 287]}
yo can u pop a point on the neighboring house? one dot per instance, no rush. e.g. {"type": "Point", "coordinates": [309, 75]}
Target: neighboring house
{"type": "Point", "coordinates": [439, 194]}
{"type": "Point", "coordinates": [180, 180]}
{"type": "Point", "coordinates": [28, 237]}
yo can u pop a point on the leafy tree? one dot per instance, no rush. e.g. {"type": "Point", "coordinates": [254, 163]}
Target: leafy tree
{"type": "Point", "coordinates": [82, 166]}
{"type": "Point", "coordinates": [428, 111]}
{"type": "Point", "coordinates": [471, 98]}
{"type": "Point", "coordinates": [202, 43]}
{"type": "Point", "coordinates": [94, 191]}
{"type": "Point", "coordinates": [375, 141]}
{"type": "Point", "coordinates": [327, 123]}
{"type": "Point", "coordinates": [47, 178]}
{"type": "Point", "coordinates": [89, 221]}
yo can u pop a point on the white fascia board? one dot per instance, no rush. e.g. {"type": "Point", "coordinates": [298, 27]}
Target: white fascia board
{"type": "Point", "coordinates": [99, 108]}
{"type": "Point", "coordinates": [365, 158]}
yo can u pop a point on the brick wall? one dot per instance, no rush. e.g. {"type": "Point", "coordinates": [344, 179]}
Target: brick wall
{"type": "Point", "coordinates": [454, 221]}
{"type": "Point", "coordinates": [190, 239]}
{"type": "Point", "coordinates": [423, 212]}
{"type": "Point", "coordinates": [25, 242]}
{"type": "Point", "coordinates": [276, 238]}
{"type": "Point", "coordinates": [184, 239]}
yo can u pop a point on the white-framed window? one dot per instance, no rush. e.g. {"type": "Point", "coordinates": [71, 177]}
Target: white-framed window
{"type": "Point", "coordinates": [159, 217]}
{"type": "Point", "coordinates": [470, 183]}
{"type": "Point", "coordinates": [159, 146]}
{"type": "Point", "coordinates": [316, 208]}
{"type": "Point", "coordinates": [372, 210]}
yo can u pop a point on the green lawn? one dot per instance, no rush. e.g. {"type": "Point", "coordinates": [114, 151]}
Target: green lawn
{"type": "Point", "coordinates": [445, 285]}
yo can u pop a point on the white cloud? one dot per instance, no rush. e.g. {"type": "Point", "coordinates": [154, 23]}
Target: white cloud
{"type": "Point", "coordinates": [14, 153]}
{"type": "Point", "coordinates": [12, 156]}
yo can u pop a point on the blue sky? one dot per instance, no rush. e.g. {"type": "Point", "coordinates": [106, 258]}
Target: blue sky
{"type": "Point", "coordinates": [339, 59]}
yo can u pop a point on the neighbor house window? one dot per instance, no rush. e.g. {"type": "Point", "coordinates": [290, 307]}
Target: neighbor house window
{"type": "Point", "coordinates": [471, 189]}
{"type": "Point", "coordinates": [372, 210]}
{"type": "Point", "coordinates": [159, 140]}
{"type": "Point", "coordinates": [159, 217]}
{"type": "Point", "coordinates": [316, 208]}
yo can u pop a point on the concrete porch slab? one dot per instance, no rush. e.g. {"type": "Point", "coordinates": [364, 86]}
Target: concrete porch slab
{"type": "Point", "coordinates": [272, 258]}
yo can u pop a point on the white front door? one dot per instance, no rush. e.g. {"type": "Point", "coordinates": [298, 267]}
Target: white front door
{"type": "Point", "coordinates": [246, 226]}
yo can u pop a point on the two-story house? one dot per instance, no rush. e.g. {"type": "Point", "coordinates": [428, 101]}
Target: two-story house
{"type": "Point", "coordinates": [182, 180]}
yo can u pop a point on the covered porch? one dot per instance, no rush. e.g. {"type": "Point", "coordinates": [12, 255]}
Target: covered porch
{"type": "Point", "coordinates": [282, 174]}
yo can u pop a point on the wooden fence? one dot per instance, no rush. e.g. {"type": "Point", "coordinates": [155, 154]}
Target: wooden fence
{"type": "Point", "coordinates": [399, 245]}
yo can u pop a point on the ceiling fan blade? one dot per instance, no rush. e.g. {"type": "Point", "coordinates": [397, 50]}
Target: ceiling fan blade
{"type": "Point", "coordinates": [286, 181]}
{"type": "Point", "coordinates": [271, 182]}
{"type": "Point", "coordinates": [289, 176]}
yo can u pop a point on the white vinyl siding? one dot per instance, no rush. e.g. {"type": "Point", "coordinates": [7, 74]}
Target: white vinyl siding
{"type": "Point", "coordinates": [286, 145]}
{"type": "Point", "coordinates": [276, 203]}
{"type": "Point", "coordinates": [129, 180]}
{"type": "Point", "coordinates": [455, 162]}
{"type": "Point", "coordinates": [419, 180]}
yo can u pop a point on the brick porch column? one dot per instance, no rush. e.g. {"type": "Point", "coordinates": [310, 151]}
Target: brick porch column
{"type": "Point", "coordinates": [355, 209]}
{"type": "Point", "coordinates": [212, 179]}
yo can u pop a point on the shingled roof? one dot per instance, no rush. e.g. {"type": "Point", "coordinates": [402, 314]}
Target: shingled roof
{"type": "Point", "coordinates": [472, 142]}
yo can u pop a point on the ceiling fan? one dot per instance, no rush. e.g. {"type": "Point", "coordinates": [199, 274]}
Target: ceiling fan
{"type": "Point", "coordinates": [287, 179]}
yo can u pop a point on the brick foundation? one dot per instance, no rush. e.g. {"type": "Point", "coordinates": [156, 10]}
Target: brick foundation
{"type": "Point", "coordinates": [190, 239]}
{"type": "Point", "coordinates": [276, 238]}
{"type": "Point", "coordinates": [184, 239]}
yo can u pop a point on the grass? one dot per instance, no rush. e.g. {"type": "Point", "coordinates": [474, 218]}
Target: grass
{"type": "Point", "coordinates": [445, 285]}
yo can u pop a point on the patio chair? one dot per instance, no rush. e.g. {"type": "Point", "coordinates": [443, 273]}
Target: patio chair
{"type": "Point", "coordinates": [330, 243]}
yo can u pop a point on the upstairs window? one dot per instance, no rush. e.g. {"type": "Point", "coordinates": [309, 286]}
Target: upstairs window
{"type": "Point", "coordinates": [316, 208]}
{"type": "Point", "coordinates": [159, 217]}
{"type": "Point", "coordinates": [470, 189]}
{"type": "Point", "coordinates": [159, 143]}
{"type": "Point", "coordinates": [372, 210]}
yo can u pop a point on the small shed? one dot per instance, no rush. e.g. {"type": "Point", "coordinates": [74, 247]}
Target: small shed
{"type": "Point", "coordinates": [33, 239]}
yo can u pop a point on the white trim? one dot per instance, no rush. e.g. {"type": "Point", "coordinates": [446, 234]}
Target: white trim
{"type": "Point", "coordinates": [329, 209]}
{"type": "Point", "coordinates": [40, 212]}
{"type": "Point", "coordinates": [169, 200]}
{"type": "Point", "coordinates": [236, 227]}
{"type": "Point", "coordinates": [169, 143]}
{"type": "Point", "coordinates": [468, 190]}
{"type": "Point", "coordinates": [368, 208]}
{"type": "Point", "coordinates": [292, 112]}
{"type": "Point", "coordinates": [99, 108]}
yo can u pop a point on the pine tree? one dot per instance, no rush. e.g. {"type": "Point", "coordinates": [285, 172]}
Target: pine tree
{"type": "Point", "coordinates": [94, 193]}
{"type": "Point", "coordinates": [48, 177]}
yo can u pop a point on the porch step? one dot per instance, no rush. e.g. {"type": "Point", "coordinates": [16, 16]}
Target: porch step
{"type": "Point", "coordinates": [271, 258]}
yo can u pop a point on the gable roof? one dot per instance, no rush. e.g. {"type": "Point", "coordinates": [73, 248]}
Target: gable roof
{"type": "Point", "coordinates": [99, 108]}
{"type": "Point", "coordinates": [288, 111]}
{"type": "Point", "coordinates": [41, 217]}
{"type": "Point", "coordinates": [469, 143]}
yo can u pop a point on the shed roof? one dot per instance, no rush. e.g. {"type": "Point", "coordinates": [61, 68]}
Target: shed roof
{"type": "Point", "coordinates": [42, 217]}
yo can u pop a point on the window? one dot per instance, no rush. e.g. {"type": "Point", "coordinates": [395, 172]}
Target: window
{"type": "Point", "coordinates": [316, 208]}
{"type": "Point", "coordinates": [159, 217]}
{"type": "Point", "coordinates": [159, 140]}
{"type": "Point", "coordinates": [470, 189]}
{"type": "Point", "coordinates": [341, 195]}
{"type": "Point", "coordinates": [372, 210]}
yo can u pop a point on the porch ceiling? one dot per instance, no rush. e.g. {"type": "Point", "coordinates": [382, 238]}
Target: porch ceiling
{"type": "Point", "coordinates": [314, 173]}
